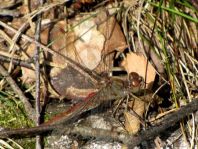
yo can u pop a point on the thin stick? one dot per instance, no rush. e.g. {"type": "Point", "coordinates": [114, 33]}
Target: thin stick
{"type": "Point", "coordinates": [37, 71]}
{"type": "Point", "coordinates": [130, 140]}
{"type": "Point", "coordinates": [28, 107]}
{"type": "Point", "coordinates": [17, 62]}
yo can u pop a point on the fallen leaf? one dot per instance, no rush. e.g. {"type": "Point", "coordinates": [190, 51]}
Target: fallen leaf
{"type": "Point", "coordinates": [138, 63]}
{"type": "Point", "coordinates": [109, 27]}
{"type": "Point", "coordinates": [89, 44]}
{"type": "Point", "coordinates": [132, 123]}
{"type": "Point", "coordinates": [114, 39]}
{"type": "Point", "coordinates": [85, 44]}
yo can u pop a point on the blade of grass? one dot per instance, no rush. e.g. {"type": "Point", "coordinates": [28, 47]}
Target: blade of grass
{"type": "Point", "coordinates": [177, 12]}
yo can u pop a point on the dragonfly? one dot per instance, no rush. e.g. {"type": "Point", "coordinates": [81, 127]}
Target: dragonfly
{"type": "Point", "coordinates": [111, 89]}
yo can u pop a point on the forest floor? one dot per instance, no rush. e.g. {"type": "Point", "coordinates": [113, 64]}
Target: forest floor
{"type": "Point", "coordinates": [98, 74]}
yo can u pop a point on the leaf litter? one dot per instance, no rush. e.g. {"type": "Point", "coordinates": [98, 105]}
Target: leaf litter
{"type": "Point", "coordinates": [95, 40]}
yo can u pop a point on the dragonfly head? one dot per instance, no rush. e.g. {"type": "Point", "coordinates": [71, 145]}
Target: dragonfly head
{"type": "Point", "coordinates": [135, 81]}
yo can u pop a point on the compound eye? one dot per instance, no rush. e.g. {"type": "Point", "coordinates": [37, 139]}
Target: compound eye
{"type": "Point", "coordinates": [135, 79]}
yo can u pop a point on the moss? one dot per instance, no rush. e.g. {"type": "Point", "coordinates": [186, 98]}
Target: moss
{"type": "Point", "coordinates": [12, 115]}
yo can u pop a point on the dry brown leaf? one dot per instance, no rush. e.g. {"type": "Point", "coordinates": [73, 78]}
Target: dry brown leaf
{"type": "Point", "coordinates": [85, 44]}
{"type": "Point", "coordinates": [109, 27]}
{"type": "Point", "coordinates": [132, 123]}
{"type": "Point", "coordinates": [89, 44]}
{"type": "Point", "coordinates": [114, 39]}
{"type": "Point", "coordinates": [150, 53]}
{"type": "Point", "coordinates": [63, 44]}
{"type": "Point", "coordinates": [61, 78]}
{"type": "Point", "coordinates": [139, 64]}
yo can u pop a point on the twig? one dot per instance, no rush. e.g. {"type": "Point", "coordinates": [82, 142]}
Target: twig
{"type": "Point", "coordinates": [28, 107]}
{"type": "Point", "coordinates": [130, 140]}
{"type": "Point", "coordinates": [37, 71]}
{"type": "Point", "coordinates": [37, 74]}
{"type": "Point", "coordinates": [17, 62]}
{"type": "Point", "coordinates": [167, 122]}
